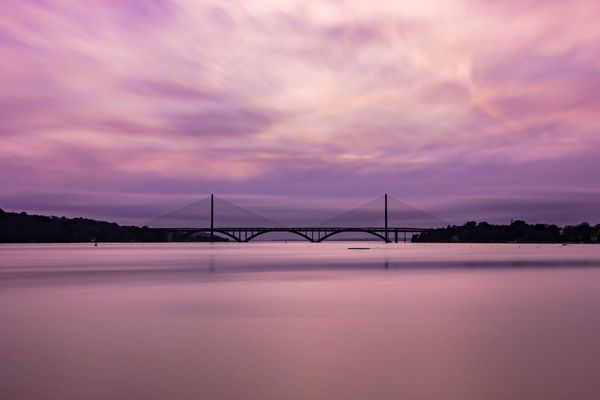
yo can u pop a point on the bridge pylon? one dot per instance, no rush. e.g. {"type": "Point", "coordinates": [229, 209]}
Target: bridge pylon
{"type": "Point", "coordinates": [387, 238]}
{"type": "Point", "coordinates": [212, 218]}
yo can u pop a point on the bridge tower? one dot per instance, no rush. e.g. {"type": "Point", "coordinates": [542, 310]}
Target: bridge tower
{"type": "Point", "coordinates": [212, 217]}
{"type": "Point", "coordinates": [387, 239]}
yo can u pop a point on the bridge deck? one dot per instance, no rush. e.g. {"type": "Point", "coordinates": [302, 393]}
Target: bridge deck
{"type": "Point", "coordinates": [312, 234]}
{"type": "Point", "coordinates": [303, 228]}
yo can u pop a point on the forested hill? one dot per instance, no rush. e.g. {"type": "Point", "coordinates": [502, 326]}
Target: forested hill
{"type": "Point", "coordinates": [517, 232]}
{"type": "Point", "coordinates": [24, 228]}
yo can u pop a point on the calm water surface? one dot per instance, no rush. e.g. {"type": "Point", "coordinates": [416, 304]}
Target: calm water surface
{"type": "Point", "coordinates": [299, 321]}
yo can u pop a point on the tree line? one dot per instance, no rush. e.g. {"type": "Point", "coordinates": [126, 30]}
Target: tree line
{"type": "Point", "coordinates": [517, 232]}
{"type": "Point", "coordinates": [25, 228]}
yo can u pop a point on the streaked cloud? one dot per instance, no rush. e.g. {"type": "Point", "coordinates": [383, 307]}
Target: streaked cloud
{"type": "Point", "coordinates": [122, 96]}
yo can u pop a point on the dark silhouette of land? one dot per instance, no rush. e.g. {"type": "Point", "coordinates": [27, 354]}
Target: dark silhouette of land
{"type": "Point", "coordinates": [516, 232]}
{"type": "Point", "coordinates": [24, 228]}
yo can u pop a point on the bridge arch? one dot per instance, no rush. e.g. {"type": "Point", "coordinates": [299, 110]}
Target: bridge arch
{"type": "Point", "coordinates": [237, 239]}
{"type": "Point", "coordinates": [286, 230]}
{"type": "Point", "coordinates": [191, 232]}
{"type": "Point", "coordinates": [327, 236]}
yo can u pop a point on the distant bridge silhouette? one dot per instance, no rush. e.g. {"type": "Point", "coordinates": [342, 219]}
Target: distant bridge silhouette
{"type": "Point", "coordinates": [315, 234]}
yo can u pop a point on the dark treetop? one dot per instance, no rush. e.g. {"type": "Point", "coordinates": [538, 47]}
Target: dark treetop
{"type": "Point", "coordinates": [516, 232]}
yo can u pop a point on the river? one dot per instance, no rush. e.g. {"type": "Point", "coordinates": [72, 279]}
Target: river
{"type": "Point", "coordinates": [298, 320]}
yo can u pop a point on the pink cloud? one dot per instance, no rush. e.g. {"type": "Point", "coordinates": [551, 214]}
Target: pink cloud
{"type": "Point", "coordinates": [266, 97]}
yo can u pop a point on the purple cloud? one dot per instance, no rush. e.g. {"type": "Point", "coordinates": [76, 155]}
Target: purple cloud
{"type": "Point", "coordinates": [223, 122]}
{"type": "Point", "coordinates": [171, 90]}
{"type": "Point", "coordinates": [304, 99]}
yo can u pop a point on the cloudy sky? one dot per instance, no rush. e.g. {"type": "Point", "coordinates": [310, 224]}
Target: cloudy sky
{"type": "Point", "coordinates": [479, 109]}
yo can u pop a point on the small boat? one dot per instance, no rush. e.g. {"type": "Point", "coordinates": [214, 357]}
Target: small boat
{"type": "Point", "coordinates": [359, 248]}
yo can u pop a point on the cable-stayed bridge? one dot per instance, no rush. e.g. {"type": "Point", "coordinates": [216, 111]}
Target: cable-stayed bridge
{"type": "Point", "coordinates": [384, 218]}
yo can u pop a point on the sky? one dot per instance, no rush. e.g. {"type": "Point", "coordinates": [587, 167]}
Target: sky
{"type": "Point", "coordinates": [469, 109]}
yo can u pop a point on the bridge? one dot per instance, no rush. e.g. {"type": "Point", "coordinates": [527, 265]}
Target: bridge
{"type": "Point", "coordinates": [316, 234]}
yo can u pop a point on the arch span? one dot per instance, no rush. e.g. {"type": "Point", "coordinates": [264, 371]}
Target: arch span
{"type": "Point", "coordinates": [237, 239]}
{"type": "Point", "coordinates": [286, 230]}
{"type": "Point", "coordinates": [191, 232]}
{"type": "Point", "coordinates": [327, 236]}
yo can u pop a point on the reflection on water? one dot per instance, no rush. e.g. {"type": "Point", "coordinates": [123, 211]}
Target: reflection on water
{"type": "Point", "coordinates": [299, 321]}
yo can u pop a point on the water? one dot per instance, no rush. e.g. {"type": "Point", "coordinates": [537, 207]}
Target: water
{"type": "Point", "coordinates": [299, 321]}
